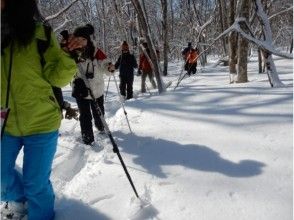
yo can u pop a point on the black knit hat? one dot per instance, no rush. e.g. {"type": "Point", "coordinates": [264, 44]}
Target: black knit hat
{"type": "Point", "coordinates": [84, 31]}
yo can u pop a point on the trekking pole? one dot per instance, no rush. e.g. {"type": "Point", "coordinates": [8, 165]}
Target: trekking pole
{"type": "Point", "coordinates": [121, 102]}
{"type": "Point", "coordinates": [180, 79]}
{"type": "Point", "coordinates": [107, 88]}
{"type": "Point", "coordinates": [115, 148]}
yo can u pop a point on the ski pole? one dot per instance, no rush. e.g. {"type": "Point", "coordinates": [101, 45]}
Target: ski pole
{"type": "Point", "coordinates": [182, 71]}
{"type": "Point", "coordinates": [121, 102]}
{"type": "Point", "coordinates": [115, 148]}
{"type": "Point", "coordinates": [180, 80]}
{"type": "Point", "coordinates": [107, 88]}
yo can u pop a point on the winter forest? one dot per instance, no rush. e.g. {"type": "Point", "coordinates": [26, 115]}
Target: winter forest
{"type": "Point", "coordinates": [214, 145]}
{"type": "Point", "coordinates": [231, 29]}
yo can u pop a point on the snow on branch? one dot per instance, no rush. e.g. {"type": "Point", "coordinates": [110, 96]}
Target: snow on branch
{"type": "Point", "coordinates": [202, 28]}
{"type": "Point", "coordinates": [259, 43]}
{"type": "Point", "coordinates": [265, 45]}
{"type": "Point", "coordinates": [61, 11]}
{"type": "Point", "coordinates": [280, 12]}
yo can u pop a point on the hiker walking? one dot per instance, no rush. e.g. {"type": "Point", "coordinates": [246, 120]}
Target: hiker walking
{"type": "Point", "coordinates": [91, 67]}
{"type": "Point", "coordinates": [191, 61]}
{"type": "Point", "coordinates": [146, 69]}
{"type": "Point", "coordinates": [34, 118]}
{"type": "Point", "coordinates": [126, 64]}
{"type": "Point", "coordinates": [186, 51]}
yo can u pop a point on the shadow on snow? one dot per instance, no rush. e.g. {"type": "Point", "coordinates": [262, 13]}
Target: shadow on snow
{"type": "Point", "coordinates": [152, 153]}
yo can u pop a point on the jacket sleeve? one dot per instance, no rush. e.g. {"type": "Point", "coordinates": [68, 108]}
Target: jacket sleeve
{"type": "Point", "coordinates": [141, 61]}
{"type": "Point", "coordinates": [135, 65]}
{"type": "Point", "coordinates": [117, 64]}
{"type": "Point", "coordinates": [102, 61]}
{"type": "Point", "coordinates": [59, 67]}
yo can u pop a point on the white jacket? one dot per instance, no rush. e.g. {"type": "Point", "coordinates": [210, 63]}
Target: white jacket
{"type": "Point", "coordinates": [96, 84]}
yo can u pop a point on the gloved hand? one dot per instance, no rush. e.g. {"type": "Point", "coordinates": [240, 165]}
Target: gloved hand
{"type": "Point", "coordinates": [139, 72]}
{"type": "Point", "coordinates": [71, 113]}
{"type": "Point", "coordinates": [111, 68]}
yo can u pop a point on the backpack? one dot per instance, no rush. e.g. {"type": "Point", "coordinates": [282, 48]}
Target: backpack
{"type": "Point", "coordinates": [42, 46]}
{"type": "Point", "coordinates": [192, 56]}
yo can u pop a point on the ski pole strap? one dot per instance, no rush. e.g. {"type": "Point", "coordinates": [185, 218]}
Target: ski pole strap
{"type": "Point", "coordinates": [9, 76]}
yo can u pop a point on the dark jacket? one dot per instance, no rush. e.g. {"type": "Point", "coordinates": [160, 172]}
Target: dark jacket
{"type": "Point", "coordinates": [126, 64]}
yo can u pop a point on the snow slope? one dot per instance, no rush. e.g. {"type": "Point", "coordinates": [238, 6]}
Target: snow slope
{"type": "Point", "coordinates": [207, 150]}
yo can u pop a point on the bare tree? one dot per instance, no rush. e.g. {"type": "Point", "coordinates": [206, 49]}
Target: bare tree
{"type": "Point", "coordinates": [165, 36]}
{"type": "Point", "coordinates": [233, 37]}
{"type": "Point", "coordinates": [147, 35]}
{"type": "Point", "coordinates": [243, 7]}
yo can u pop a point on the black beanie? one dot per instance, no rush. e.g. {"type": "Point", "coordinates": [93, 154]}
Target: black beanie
{"type": "Point", "coordinates": [84, 31]}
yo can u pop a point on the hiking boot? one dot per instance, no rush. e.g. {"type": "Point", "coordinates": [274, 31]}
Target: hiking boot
{"type": "Point", "coordinates": [87, 140]}
{"type": "Point", "coordinates": [14, 210]}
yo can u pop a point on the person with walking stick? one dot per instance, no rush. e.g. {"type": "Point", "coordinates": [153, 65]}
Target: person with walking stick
{"type": "Point", "coordinates": [146, 69]}
{"type": "Point", "coordinates": [92, 65]}
{"type": "Point", "coordinates": [191, 62]}
{"type": "Point", "coordinates": [126, 64]}
{"type": "Point", "coordinates": [34, 118]}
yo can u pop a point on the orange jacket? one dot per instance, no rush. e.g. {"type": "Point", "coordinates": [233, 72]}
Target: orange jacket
{"type": "Point", "coordinates": [144, 63]}
{"type": "Point", "coordinates": [192, 56]}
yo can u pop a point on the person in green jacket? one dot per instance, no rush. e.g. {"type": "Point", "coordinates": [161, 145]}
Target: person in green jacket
{"type": "Point", "coordinates": [34, 118]}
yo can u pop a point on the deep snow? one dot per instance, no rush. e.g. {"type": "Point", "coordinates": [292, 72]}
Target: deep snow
{"type": "Point", "coordinates": [207, 150]}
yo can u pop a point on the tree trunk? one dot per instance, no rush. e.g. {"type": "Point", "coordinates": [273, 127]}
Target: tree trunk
{"type": "Point", "coordinates": [104, 42]}
{"type": "Point", "coordinates": [244, 10]}
{"type": "Point", "coordinates": [222, 21]}
{"type": "Point", "coordinates": [165, 36]}
{"type": "Point", "coordinates": [233, 37]}
{"type": "Point", "coordinates": [259, 61]}
{"type": "Point", "coordinates": [291, 46]}
{"type": "Point", "coordinates": [269, 62]}
{"type": "Point", "coordinates": [147, 35]}
{"type": "Point", "coordinates": [172, 18]}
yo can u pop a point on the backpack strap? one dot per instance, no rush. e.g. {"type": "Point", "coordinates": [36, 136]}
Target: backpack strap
{"type": "Point", "coordinates": [9, 76]}
{"type": "Point", "coordinates": [43, 45]}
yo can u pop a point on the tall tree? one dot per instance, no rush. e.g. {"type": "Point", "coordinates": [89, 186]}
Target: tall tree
{"type": "Point", "coordinates": [146, 32]}
{"type": "Point", "coordinates": [165, 36]}
{"type": "Point", "coordinates": [243, 7]}
{"type": "Point", "coordinates": [233, 37]}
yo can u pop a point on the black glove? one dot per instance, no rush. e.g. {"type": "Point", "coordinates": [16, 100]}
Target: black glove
{"type": "Point", "coordinates": [139, 73]}
{"type": "Point", "coordinates": [71, 113]}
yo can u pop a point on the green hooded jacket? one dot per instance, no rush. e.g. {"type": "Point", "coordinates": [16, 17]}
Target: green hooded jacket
{"type": "Point", "coordinates": [33, 107]}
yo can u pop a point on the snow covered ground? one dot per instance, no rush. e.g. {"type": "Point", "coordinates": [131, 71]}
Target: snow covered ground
{"type": "Point", "coordinates": [207, 150]}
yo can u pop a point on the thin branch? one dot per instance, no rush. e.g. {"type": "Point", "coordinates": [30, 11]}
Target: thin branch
{"type": "Point", "coordinates": [281, 12]}
{"type": "Point", "coordinates": [61, 11]}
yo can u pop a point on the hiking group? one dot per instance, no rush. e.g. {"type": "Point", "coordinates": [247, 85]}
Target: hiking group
{"type": "Point", "coordinates": [34, 67]}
